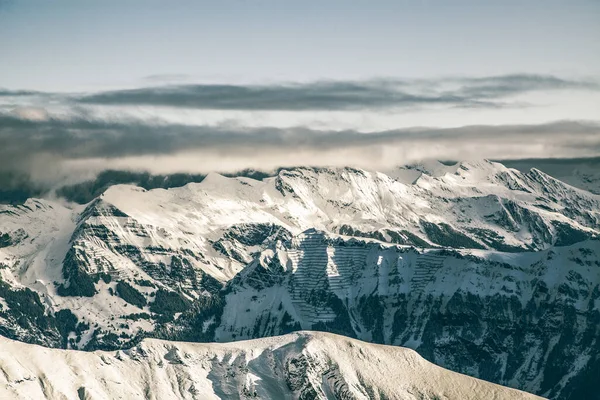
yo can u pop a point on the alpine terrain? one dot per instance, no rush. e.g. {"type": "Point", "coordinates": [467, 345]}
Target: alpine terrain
{"type": "Point", "coordinates": [481, 269]}
{"type": "Point", "coordinates": [302, 365]}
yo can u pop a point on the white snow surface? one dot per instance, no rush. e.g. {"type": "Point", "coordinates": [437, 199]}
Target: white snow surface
{"type": "Point", "coordinates": [134, 235]}
{"type": "Point", "coordinates": [318, 365]}
{"type": "Point", "coordinates": [161, 224]}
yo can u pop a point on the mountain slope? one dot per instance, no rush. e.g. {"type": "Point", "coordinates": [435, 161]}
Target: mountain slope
{"type": "Point", "coordinates": [526, 320]}
{"type": "Point", "coordinates": [481, 268]}
{"type": "Point", "coordinates": [583, 173]}
{"type": "Point", "coordinates": [303, 365]}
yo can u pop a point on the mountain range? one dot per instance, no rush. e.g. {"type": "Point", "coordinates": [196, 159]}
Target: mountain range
{"type": "Point", "coordinates": [482, 269]}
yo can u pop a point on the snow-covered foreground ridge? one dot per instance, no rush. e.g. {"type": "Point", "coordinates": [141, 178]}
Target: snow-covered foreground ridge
{"type": "Point", "coordinates": [304, 365]}
{"type": "Point", "coordinates": [480, 268]}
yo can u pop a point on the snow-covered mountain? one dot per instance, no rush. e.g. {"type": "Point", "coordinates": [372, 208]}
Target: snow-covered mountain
{"type": "Point", "coordinates": [303, 365]}
{"type": "Point", "coordinates": [483, 269]}
{"type": "Point", "coordinates": [583, 173]}
{"type": "Point", "coordinates": [526, 320]}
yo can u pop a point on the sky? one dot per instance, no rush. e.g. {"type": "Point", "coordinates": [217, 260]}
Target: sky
{"type": "Point", "coordinates": [80, 79]}
{"type": "Point", "coordinates": [71, 45]}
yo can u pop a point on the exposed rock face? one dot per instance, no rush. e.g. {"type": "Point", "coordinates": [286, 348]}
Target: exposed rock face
{"type": "Point", "coordinates": [482, 269]}
{"type": "Point", "coordinates": [527, 320]}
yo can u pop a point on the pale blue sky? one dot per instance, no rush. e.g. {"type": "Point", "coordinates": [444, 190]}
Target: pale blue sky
{"type": "Point", "coordinates": [71, 45]}
{"type": "Point", "coordinates": [194, 86]}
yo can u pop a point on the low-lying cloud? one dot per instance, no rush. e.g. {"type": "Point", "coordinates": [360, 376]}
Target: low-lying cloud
{"type": "Point", "coordinates": [52, 139]}
{"type": "Point", "coordinates": [53, 151]}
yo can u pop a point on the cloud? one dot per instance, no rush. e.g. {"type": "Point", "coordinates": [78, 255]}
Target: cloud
{"type": "Point", "coordinates": [507, 85]}
{"type": "Point", "coordinates": [31, 113]}
{"type": "Point", "coordinates": [53, 138]}
{"type": "Point", "coordinates": [490, 92]}
{"type": "Point", "coordinates": [167, 77]}
{"type": "Point", "coordinates": [18, 93]}
{"type": "Point", "coordinates": [313, 96]}
{"type": "Point", "coordinates": [53, 151]}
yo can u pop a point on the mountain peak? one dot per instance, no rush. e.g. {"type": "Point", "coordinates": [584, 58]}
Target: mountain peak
{"type": "Point", "coordinates": [307, 364]}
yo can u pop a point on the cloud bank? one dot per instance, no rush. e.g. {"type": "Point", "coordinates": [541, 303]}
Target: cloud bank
{"type": "Point", "coordinates": [342, 95]}
{"type": "Point", "coordinates": [51, 139]}
{"type": "Point", "coordinates": [54, 150]}
{"type": "Point", "coordinates": [373, 94]}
